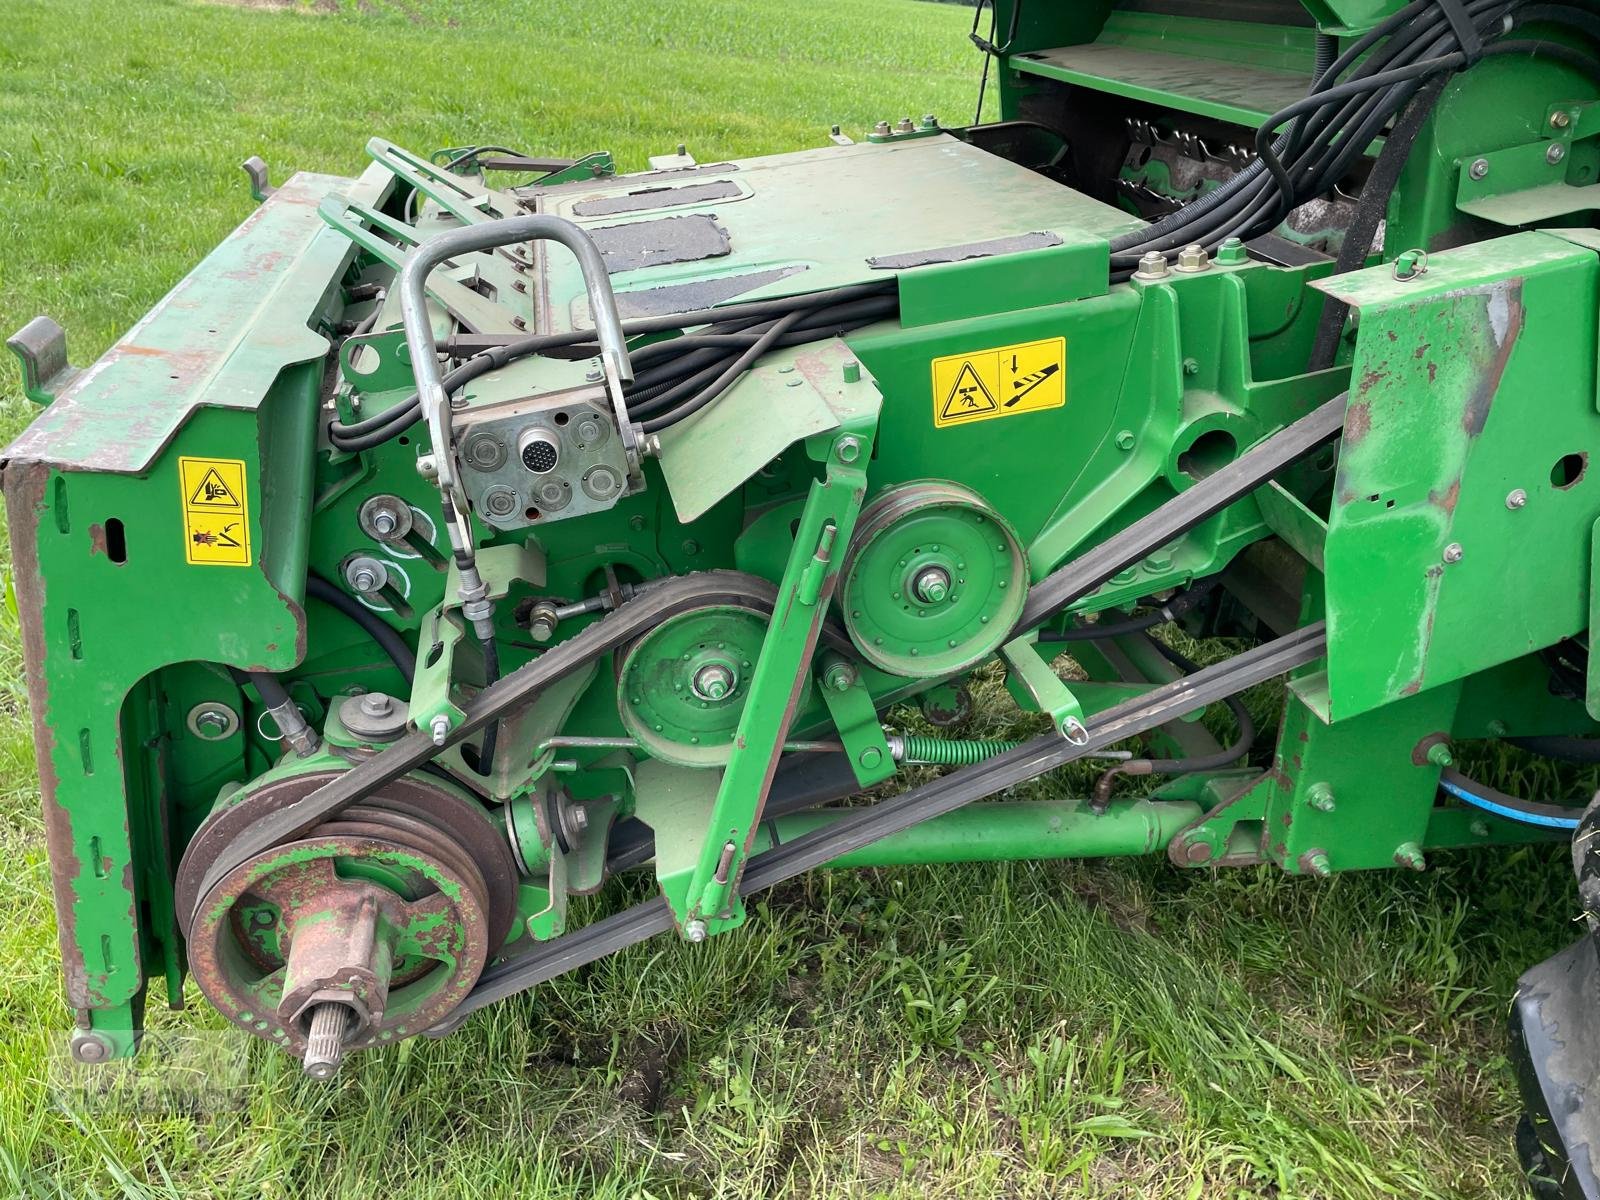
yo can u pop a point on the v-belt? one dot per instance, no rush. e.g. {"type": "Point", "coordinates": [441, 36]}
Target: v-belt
{"type": "Point", "coordinates": [860, 827]}
{"type": "Point", "coordinates": [236, 841]}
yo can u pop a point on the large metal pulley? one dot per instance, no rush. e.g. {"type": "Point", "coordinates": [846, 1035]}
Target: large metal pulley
{"type": "Point", "coordinates": [934, 580]}
{"type": "Point", "coordinates": [368, 928]}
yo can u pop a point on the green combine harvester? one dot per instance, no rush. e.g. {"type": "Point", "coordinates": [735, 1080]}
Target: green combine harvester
{"type": "Point", "coordinates": [461, 535]}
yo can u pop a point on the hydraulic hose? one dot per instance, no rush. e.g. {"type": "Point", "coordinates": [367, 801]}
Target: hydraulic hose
{"type": "Point", "coordinates": [1513, 808]}
{"type": "Point", "coordinates": [375, 627]}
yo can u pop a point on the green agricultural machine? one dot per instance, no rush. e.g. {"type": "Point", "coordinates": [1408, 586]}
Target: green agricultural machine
{"type": "Point", "coordinates": [460, 535]}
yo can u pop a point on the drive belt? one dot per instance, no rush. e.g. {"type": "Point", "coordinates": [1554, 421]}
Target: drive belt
{"type": "Point", "coordinates": [232, 836]}
{"type": "Point", "coordinates": [861, 827]}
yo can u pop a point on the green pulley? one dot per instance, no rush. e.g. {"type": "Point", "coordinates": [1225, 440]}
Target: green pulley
{"type": "Point", "coordinates": [681, 688]}
{"type": "Point", "coordinates": [934, 580]}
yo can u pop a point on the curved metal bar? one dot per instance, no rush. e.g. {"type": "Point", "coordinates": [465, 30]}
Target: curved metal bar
{"type": "Point", "coordinates": [489, 235]}
{"type": "Point", "coordinates": [419, 263]}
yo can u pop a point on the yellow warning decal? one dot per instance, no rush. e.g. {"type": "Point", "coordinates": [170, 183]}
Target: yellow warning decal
{"type": "Point", "coordinates": [1001, 382]}
{"type": "Point", "coordinates": [216, 523]}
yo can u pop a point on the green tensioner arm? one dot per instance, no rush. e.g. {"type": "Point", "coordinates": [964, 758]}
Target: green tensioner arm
{"type": "Point", "coordinates": [826, 525]}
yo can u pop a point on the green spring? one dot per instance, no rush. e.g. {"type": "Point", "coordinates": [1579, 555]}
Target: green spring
{"type": "Point", "coordinates": [940, 752]}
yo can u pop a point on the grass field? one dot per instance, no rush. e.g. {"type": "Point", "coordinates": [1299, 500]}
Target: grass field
{"type": "Point", "coordinates": [1095, 1030]}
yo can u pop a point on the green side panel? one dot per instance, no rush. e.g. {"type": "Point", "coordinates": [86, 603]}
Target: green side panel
{"type": "Point", "coordinates": [1473, 382]}
{"type": "Point", "coordinates": [228, 366]}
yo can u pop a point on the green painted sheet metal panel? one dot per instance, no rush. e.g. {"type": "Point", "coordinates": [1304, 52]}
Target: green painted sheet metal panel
{"type": "Point", "coordinates": [1472, 382]}
{"type": "Point", "coordinates": [826, 212]}
{"type": "Point", "coordinates": [237, 319]}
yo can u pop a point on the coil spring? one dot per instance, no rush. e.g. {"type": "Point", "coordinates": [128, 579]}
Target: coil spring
{"type": "Point", "coordinates": [947, 753]}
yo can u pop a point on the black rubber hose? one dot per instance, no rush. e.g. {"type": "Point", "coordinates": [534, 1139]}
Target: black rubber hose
{"type": "Point", "coordinates": [375, 627]}
{"type": "Point", "coordinates": [1174, 608]}
{"type": "Point", "coordinates": [375, 430]}
{"type": "Point", "coordinates": [1242, 744]}
{"type": "Point", "coordinates": [1370, 210]}
{"type": "Point", "coordinates": [491, 731]}
{"type": "Point", "coordinates": [269, 687]}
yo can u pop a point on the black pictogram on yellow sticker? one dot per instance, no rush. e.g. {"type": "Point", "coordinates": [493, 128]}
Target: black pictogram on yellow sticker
{"type": "Point", "coordinates": [1002, 382]}
{"type": "Point", "coordinates": [216, 519]}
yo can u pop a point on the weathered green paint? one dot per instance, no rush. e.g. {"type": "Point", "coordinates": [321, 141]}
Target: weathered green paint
{"type": "Point", "coordinates": [1472, 380]}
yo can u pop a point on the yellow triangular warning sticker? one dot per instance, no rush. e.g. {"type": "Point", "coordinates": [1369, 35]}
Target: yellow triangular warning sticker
{"type": "Point", "coordinates": [969, 397]}
{"type": "Point", "coordinates": [213, 492]}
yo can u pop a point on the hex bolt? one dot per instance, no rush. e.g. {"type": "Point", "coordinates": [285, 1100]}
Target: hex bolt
{"type": "Point", "coordinates": [376, 704]}
{"type": "Point", "coordinates": [1560, 119]}
{"type": "Point", "coordinates": [848, 448]}
{"type": "Point", "coordinates": [440, 729]}
{"type": "Point", "coordinates": [211, 724]}
{"type": "Point", "coordinates": [1152, 266]}
{"type": "Point", "coordinates": [330, 1023]}
{"type": "Point", "coordinates": [1409, 855]}
{"type": "Point", "coordinates": [212, 721]}
{"type": "Point", "coordinates": [1192, 258]}
{"type": "Point", "coordinates": [714, 681]}
{"type": "Point", "coordinates": [932, 585]}
{"type": "Point", "coordinates": [1478, 828]}
{"type": "Point", "coordinates": [366, 575]}
{"type": "Point", "coordinates": [1453, 552]}
{"type": "Point", "coordinates": [839, 675]}
{"type": "Point", "coordinates": [881, 129]}
{"type": "Point", "coordinates": [427, 467]}
{"type": "Point", "coordinates": [542, 623]}
{"type": "Point", "coordinates": [1516, 498]}
{"type": "Point", "coordinates": [1316, 863]}
{"type": "Point", "coordinates": [694, 931]}
{"type": "Point", "coordinates": [1320, 797]}
{"type": "Point", "coordinates": [1555, 154]}
{"type": "Point", "coordinates": [1439, 754]}
{"type": "Point", "coordinates": [1479, 168]}
{"type": "Point", "coordinates": [904, 125]}
{"type": "Point", "coordinates": [1125, 439]}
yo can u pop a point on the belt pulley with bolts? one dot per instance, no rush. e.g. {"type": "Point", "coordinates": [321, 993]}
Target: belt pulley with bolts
{"type": "Point", "coordinates": [366, 929]}
{"type": "Point", "coordinates": [681, 688]}
{"type": "Point", "coordinates": [934, 580]}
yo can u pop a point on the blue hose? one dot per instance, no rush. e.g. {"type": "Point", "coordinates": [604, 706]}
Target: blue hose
{"type": "Point", "coordinates": [1526, 812]}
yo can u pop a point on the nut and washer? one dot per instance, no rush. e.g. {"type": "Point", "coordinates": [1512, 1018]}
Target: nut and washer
{"type": "Point", "coordinates": [1556, 153]}
{"type": "Point", "coordinates": [1516, 498]}
{"type": "Point", "coordinates": [366, 574]}
{"type": "Point", "coordinates": [1479, 168]}
{"type": "Point", "coordinates": [1152, 266]}
{"type": "Point", "coordinates": [373, 717]}
{"type": "Point", "coordinates": [1192, 259]}
{"type": "Point", "coordinates": [1453, 552]}
{"type": "Point", "coordinates": [211, 721]}
{"type": "Point", "coordinates": [694, 931]}
{"type": "Point", "coordinates": [714, 681]}
{"type": "Point", "coordinates": [931, 586]}
{"type": "Point", "coordinates": [385, 518]}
